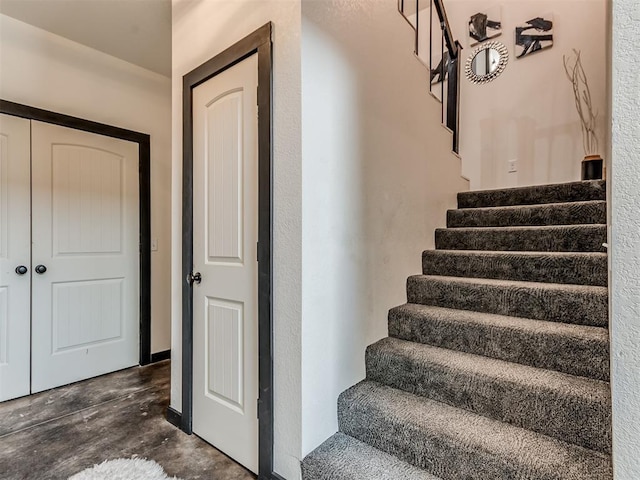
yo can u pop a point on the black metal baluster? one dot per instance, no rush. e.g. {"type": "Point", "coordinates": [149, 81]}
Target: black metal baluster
{"type": "Point", "coordinates": [418, 28]}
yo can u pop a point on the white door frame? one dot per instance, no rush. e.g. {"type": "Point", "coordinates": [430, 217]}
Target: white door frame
{"type": "Point", "coordinates": [257, 42]}
{"type": "Point", "coordinates": [144, 154]}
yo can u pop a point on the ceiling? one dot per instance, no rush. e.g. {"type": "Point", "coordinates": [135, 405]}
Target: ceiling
{"type": "Point", "coordinates": [137, 31]}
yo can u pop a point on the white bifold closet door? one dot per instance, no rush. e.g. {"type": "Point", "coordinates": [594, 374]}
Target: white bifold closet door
{"type": "Point", "coordinates": [15, 256]}
{"type": "Point", "coordinates": [69, 256]}
{"type": "Point", "coordinates": [85, 255]}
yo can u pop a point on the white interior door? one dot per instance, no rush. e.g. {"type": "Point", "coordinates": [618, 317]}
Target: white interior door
{"type": "Point", "coordinates": [15, 256]}
{"type": "Point", "coordinates": [225, 218]}
{"type": "Point", "coordinates": [85, 312]}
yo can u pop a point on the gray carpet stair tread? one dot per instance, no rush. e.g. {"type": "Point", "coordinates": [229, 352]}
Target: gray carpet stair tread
{"type": "Point", "coordinates": [574, 409]}
{"type": "Point", "coordinates": [538, 194]}
{"type": "Point", "coordinates": [453, 443]}
{"type": "Point", "coordinates": [343, 457]}
{"type": "Point", "coordinates": [582, 268]}
{"type": "Point", "coordinates": [574, 349]}
{"type": "Point", "coordinates": [570, 213]}
{"type": "Point", "coordinates": [577, 304]}
{"type": "Point", "coordinates": [556, 238]}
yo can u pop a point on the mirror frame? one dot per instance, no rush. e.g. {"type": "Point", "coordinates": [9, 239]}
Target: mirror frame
{"type": "Point", "coordinates": [502, 64]}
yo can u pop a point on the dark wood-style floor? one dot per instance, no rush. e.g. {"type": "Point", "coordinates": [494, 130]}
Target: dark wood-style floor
{"type": "Point", "coordinates": [55, 434]}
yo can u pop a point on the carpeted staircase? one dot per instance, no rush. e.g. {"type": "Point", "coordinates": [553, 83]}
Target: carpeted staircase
{"type": "Point", "coordinates": [498, 365]}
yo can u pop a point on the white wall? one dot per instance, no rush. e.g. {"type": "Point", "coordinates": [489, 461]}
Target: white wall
{"type": "Point", "coordinates": [528, 113]}
{"type": "Point", "coordinates": [625, 241]}
{"type": "Point", "coordinates": [50, 72]}
{"type": "Point", "coordinates": [377, 177]}
{"type": "Point", "coordinates": [202, 29]}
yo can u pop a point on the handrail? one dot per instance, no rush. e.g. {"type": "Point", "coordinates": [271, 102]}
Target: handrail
{"type": "Point", "coordinates": [446, 28]}
{"type": "Point", "coordinates": [448, 67]}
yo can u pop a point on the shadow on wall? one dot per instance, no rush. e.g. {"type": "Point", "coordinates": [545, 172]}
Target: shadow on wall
{"type": "Point", "coordinates": [535, 151]}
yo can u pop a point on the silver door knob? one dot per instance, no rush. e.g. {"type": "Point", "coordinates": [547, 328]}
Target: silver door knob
{"type": "Point", "coordinates": [40, 269]}
{"type": "Point", "coordinates": [21, 270]}
{"type": "Point", "coordinates": [194, 278]}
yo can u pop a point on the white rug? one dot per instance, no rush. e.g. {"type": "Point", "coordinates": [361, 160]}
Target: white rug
{"type": "Point", "coordinates": [124, 469]}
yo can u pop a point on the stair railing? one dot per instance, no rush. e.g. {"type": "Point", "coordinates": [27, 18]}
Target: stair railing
{"type": "Point", "coordinates": [436, 47]}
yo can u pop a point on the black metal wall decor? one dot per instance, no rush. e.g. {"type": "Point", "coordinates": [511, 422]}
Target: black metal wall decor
{"type": "Point", "coordinates": [485, 25]}
{"type": "Point", "coordinates": [439, 74]}
{"type": "Point", "coordinates": [535, 35]}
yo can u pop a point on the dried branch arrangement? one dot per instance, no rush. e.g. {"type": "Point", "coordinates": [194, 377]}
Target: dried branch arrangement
{"type": "Point", "coordinates": [582, 95]}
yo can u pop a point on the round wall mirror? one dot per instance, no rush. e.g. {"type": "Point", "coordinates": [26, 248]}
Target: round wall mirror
{"type": "Point", "coordinates": [486, 62]}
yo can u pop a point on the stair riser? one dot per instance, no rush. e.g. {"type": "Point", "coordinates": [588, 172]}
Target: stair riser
{"type": "Point", "coordinates": [345, 458]}
{"type": "Point", "coordinates": [588, 238]}
{"type": "Point", "coordinates": [581, 420]}
{"type": "Point", "coordinates": [563, 214]}
{"type": "Point", "coordinates": [535, 302]}
{"type": "Point", "coordinates": [578, 270]}
{"type": "Point", "coordinates": [567, 192]}
{"type": "Point", "coordinates": [396, 429]}
{"type": "Point", "coordinates": [420, 447]}
{"type": "Point", "coordinates": [575, 356]}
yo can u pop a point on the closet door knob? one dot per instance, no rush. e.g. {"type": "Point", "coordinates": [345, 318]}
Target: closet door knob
{"type": "Point", "coordinates": [21, 270]}
{"type": "Point", "coordinates": [40, 269]}
{"type": "Point", "coordinates": [194, 278]}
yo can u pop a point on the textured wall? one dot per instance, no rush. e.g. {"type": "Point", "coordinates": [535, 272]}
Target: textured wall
{"type": "Point", "coordinates": [44, 70]}
{"type": "Point", "coordinates": [377, 177]}
{"type": "Point", "coordinates": [625, 240]}
{"type": "Point", "coordinates": [201, 30]}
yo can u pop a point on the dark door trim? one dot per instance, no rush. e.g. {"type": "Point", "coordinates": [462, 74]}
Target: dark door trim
{"type": "Point", "coordinates": [258, 42]}
{"type": "Point", "coordinates": [144, 158]}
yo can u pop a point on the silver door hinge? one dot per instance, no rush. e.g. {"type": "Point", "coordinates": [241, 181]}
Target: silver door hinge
{"type": "Point", "coordinates": [258, 408]}
{"type": "Point", "coordinates": [257, 251]}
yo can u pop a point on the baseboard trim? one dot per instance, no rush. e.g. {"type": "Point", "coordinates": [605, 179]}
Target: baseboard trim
{"type": "Point", "coordinates": [160, 356]}
{"type": "Point", "coordinates": [275, 476]}
{"type": "Point", "coordinates": [270, 476]}
{"type": "Point", "coordinates": [174, 417]}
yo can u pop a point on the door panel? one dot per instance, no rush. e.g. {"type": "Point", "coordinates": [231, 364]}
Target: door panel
{"type": "Point", "coordinates": [15, 250]}
{"type": "Point", "coordinates": [87, 201]}
{"type": "Point", "coordinates": [85, 315]}
{"type": "Point", "coordinates": [225, 376]}
{"type": "Point", "coordinates": [76, 322]}
{"type": "Point", "coordinates": [223, 188]}
{"type": "Point", "coordinates": [225, 368]}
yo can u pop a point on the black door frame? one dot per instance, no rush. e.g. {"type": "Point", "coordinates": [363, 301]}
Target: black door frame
{"type": "Point", "coordinates": [144, 159]}
{"type": "Point", "coordinates": [258, 42]}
